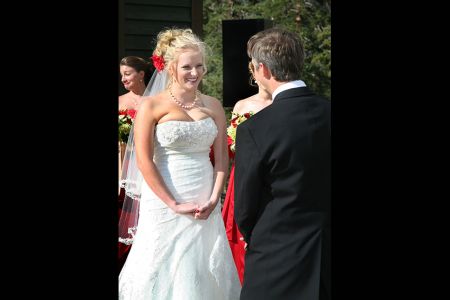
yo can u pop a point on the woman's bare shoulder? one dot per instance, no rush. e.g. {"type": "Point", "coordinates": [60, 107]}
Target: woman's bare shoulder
{"type": "Point", "coordinates": [158, 104]}
{"type": "Point", "coordinates": [151, 101]}
{"type": "Point", "coordinates": [125, 96]}
{"type": "Point", "coordinates": [212, 106]}
{"type": "Point", "coordinates": [123, 101]}
{"type": "Point", "coordinates": [209, 100]}
{"type": "Point", "coordinates": [242, 106]}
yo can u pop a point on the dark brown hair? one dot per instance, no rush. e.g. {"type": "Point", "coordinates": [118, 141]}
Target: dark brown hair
{"type": "Point", "coordinates": [139, 64]}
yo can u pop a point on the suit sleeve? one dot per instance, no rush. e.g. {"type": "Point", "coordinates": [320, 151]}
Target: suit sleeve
{"type": "Point", "coordinates": [247, 182]}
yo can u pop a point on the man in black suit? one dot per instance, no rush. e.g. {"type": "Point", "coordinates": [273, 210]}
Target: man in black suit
{"type": "Point", "coordinates": [283, 180]}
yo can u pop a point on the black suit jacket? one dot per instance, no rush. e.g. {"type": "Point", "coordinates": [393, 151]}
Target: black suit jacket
{"type": "Point", "coordinates": [282, 197]}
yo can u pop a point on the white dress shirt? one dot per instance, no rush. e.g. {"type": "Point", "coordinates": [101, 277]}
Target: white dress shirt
{"type": "Point", "coordinates": [287, 86]}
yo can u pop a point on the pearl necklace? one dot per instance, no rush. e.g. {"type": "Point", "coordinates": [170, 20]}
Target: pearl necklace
{"type": "Point", "coordinates": [183, 105]}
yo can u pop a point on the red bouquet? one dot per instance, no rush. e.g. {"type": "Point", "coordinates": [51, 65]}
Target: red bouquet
{"type": "Point", "coordinates": [126, 118]}
{"type": "Point", "coordinates": [236, 119]}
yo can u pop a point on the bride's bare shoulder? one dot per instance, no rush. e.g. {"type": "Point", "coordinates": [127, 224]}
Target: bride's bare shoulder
{"type": "Point", "coordinates": [155, 100]}
{"type": "Point", "coordinates": [157, 105]}
{"type": "Point", "coordinates": [210, 103]}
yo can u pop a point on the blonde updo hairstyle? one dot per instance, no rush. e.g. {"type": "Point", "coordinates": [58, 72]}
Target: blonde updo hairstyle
{"type": "Point", "coordinates": [172, 42]}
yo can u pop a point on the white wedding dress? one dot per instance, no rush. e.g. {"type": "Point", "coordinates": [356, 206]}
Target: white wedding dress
{"type": "Point", "coordinates": [175, 256]}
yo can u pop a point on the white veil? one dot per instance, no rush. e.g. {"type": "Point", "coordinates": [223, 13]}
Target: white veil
{"type": "Point", "coordinates": [131, 178]}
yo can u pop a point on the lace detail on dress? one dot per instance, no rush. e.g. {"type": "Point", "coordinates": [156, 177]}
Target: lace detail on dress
{"type": "Point", "coordinates": [191, 136]}
{"type": "Point", "coordinates": [128, 241]}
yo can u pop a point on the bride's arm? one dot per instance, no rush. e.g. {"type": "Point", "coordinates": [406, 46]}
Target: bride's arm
{"type": "Point", "coordinates": [220, 158]}
{"type": "Point", "coordinates": [144, 126]}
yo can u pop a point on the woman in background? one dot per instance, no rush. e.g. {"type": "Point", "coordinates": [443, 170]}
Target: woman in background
{"type": "Point", "coordinates": [243, 109]}
{"type": "Point", "coordinates": [135, 73]}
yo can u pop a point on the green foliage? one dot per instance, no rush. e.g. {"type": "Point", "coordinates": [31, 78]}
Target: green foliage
{"type": "Point", "coordinates": [314, 28]}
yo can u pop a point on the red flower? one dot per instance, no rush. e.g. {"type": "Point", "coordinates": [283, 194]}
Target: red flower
{"type": "Point", "coordinates": [236, 119]}
{"type": "Point", "coordinates": [158, 62]}
{"type": "Point", "coordinates": [233, 121]}
{"type": "Point", "coordinates": [125, 123]}
{"type": "Point", "coordinates": [230, 142]}
{"type": "Point", "coordinates": [131, 113]}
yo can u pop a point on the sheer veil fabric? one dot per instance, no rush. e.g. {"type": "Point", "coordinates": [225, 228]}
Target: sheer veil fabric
{"type": "Point", "coordinates": [131, 178]}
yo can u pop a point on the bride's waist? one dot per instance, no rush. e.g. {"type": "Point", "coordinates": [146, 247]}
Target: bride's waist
{"type": "Point", "coordinates": [172, 155]}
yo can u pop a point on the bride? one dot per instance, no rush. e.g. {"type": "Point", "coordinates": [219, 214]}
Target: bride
{"type": "Point", "coordinates": [180, 249]}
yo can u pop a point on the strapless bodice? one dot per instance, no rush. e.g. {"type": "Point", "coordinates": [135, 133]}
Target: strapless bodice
{"type": "Point", "coordinates": [181, 154]}
{"type": "Point", "coordinates": [184, 137]}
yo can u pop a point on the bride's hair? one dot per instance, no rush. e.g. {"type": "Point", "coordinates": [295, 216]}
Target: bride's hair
{"type": "Point", "coordinates": [171, 42]}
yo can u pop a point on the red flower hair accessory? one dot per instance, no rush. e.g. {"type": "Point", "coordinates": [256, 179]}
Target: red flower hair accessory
{"type": "Point", "coordinates": [158, 62]}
